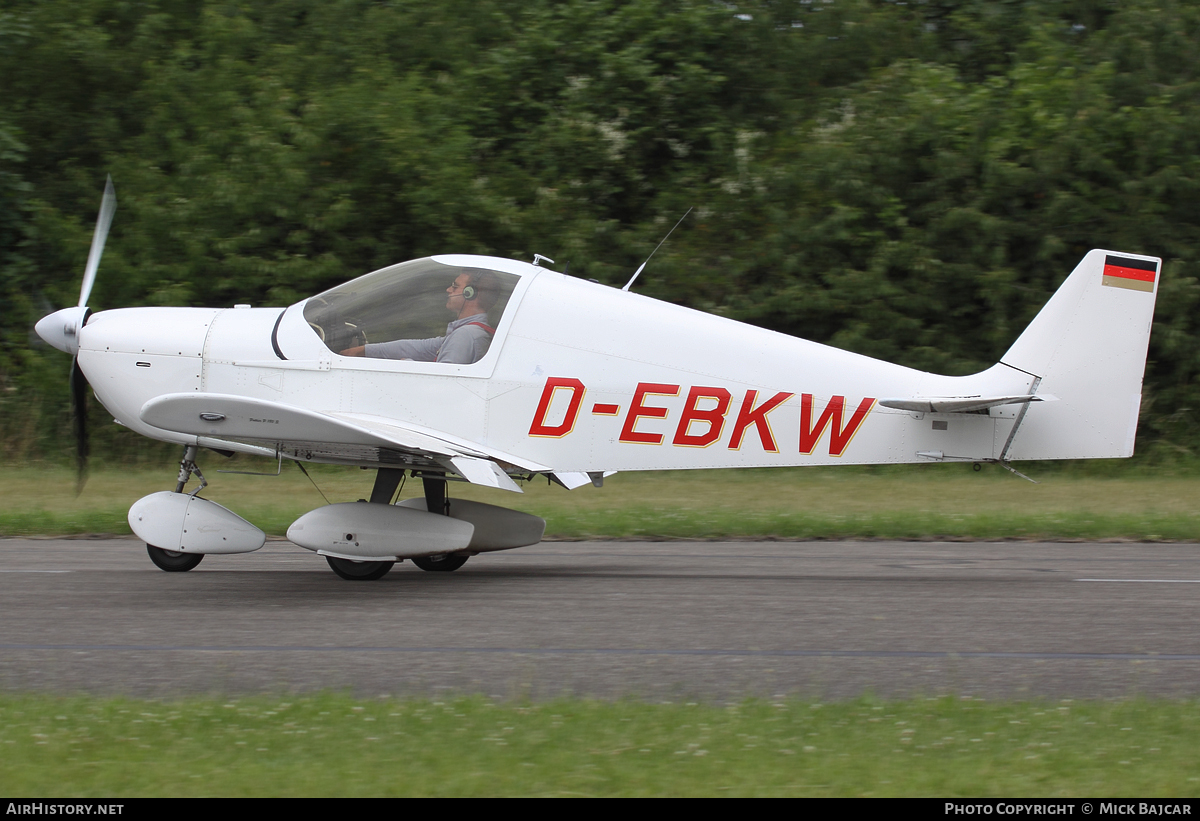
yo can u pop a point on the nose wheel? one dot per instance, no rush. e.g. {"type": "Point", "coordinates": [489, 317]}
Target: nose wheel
{"type": "Point", "coordinates": [173, 561]}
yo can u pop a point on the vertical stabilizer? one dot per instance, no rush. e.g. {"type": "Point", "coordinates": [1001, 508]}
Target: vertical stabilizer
{"type": "Point", "coordinates": [1088, 347]}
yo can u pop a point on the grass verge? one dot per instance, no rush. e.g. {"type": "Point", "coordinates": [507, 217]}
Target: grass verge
{"type": "Point", "coordinates": [933, 501]}
{"type": "Point", "coordinates": [334, 745]}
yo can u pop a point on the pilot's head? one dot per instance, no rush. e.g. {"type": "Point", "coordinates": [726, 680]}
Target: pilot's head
{"type": "Point", "coordinates": [474, 291]}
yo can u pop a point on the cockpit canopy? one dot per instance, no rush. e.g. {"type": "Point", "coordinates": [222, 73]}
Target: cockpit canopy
{"type": "Point", "coordinates": [409, 301]}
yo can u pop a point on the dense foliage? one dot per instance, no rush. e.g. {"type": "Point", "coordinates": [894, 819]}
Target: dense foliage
{"type": "Point", "coordinates": [907, 180]}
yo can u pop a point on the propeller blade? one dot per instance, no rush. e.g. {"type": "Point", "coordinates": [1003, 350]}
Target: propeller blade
{"type": "Point", "coordinates": [108, 206]}
{"type": "Point", "coordinates": [79, 387]}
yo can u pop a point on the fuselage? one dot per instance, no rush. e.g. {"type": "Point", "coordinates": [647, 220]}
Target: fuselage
{"type": "Point", "coordinates": [580, 376]}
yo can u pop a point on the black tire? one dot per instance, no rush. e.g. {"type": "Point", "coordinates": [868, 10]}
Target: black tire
{"type": "Point", "coordinates": [353, 571]}
{"type": "Point", "coordinates": [173, 561]}
{"type": "Point", "coordinates": [445, 562]}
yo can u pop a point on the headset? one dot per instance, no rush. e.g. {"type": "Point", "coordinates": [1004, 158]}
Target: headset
{"type": "Point", "coordinates": [468, 292]}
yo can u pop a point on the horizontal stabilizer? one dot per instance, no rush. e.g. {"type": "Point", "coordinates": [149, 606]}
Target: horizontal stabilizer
{"type": "Point", "coordinates": [958, 404]}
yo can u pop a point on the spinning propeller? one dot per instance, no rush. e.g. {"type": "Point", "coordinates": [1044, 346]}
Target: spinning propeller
{"type": "Point", "coordinates": [61, 329]}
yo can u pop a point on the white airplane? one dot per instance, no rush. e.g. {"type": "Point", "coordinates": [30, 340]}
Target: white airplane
{"type": "Point", "coordinates": [544, 374]}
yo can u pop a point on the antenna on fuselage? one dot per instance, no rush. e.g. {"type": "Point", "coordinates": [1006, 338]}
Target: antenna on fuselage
{"type": "Point", "coordinates": [655, 251]}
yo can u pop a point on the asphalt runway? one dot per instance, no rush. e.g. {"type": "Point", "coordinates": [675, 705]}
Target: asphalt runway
{"type": "Point", "coordinates": [649, 620]}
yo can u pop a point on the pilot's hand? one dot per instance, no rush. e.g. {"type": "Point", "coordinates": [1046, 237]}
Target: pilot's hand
{"type": "Point", "coordinates": [360, 350]}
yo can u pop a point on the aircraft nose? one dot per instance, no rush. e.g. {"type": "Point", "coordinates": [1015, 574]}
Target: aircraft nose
{"type": "Point", "coordinates": [61, 328]}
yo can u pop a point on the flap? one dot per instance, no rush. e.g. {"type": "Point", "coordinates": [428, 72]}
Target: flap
{"type": "Point", "coordinates": [390, 427]}
{"type": "Point", "coordinates": [571, 479]}
{"type": "Point", "coordinates": [484, 472]}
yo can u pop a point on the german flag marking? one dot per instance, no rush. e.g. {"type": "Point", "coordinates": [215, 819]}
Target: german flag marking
{"type": "Point", "coordinates": [1134, 274]}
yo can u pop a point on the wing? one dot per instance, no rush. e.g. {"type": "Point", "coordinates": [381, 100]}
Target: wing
{"type": "Point", "coordinates": [336, 437]}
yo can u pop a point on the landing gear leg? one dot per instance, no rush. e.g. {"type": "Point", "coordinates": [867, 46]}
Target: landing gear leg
{"type": "Point", "coordinates": [435, 502]}
{"type": "Point", "coordinates": [435, 495]}
{"type": "Point", "coordinates": [386, 481]}
{"type": "Point", "coordinates": [174, 561]}
{"type": "Point", "coordinates": [187, 469]}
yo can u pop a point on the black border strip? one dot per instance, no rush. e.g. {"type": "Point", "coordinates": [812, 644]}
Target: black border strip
{"type": "Point", "coordinates": [1125, 262]}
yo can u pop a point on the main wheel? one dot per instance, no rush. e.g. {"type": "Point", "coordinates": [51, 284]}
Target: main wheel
{"type": "Point", "coordinates": [446, 561]}
{"type": "Point", "coordinates": [353, 571]}
{"type": "Point", "coordinates": [173, 561]}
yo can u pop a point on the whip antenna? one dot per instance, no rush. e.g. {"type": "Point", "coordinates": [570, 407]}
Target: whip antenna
{"type": "Point", "coordinates": [655, 251]}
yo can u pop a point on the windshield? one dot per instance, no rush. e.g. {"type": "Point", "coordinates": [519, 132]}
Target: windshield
{"type": "Point", "coordinates": [421, 310]}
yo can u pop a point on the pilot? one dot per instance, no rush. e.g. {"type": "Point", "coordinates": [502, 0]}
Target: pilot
{"type": "Point", "coordinates": [468, 335]}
